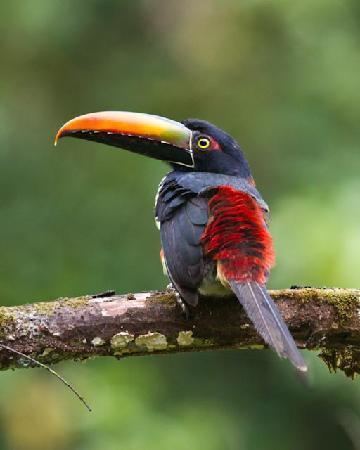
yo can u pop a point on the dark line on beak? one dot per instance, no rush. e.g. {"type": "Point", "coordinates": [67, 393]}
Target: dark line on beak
{"type": "Point", "coordinates": [152, 148]}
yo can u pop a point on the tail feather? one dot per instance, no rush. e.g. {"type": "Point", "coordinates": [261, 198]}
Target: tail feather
{"type": "Point", "coordinates": [264, 314]}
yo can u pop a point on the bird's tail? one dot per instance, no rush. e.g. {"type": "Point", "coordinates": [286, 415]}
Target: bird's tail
{"type": "Point", "coordinates": [264, 314]}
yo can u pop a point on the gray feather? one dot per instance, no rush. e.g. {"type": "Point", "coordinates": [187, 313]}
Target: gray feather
{"type": "Point", "coordinates": [264, 314]}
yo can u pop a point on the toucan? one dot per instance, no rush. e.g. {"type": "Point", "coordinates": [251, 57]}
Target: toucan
{"type": "Point", "coordinates": [213, 221]}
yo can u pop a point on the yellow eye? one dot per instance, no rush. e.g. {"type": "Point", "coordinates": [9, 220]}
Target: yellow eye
{"type": "Point", "coordinates": [203, 143]}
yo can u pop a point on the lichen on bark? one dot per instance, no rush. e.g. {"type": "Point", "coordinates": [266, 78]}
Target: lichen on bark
{"type": "Point", "coordinates": [326, 320]}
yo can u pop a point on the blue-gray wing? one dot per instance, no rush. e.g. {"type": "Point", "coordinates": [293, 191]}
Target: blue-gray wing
{"type": "Point", "coordinates": [180, 239]}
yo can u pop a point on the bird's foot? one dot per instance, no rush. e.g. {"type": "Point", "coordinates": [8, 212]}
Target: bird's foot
{"type": "Point", "coordinates": [184, 308]}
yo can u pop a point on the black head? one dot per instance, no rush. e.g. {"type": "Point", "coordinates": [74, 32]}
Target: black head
{"type": "Point", "coordinates": [215, 151]}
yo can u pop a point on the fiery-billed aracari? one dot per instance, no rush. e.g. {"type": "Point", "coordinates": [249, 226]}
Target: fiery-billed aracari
{"type": "Point", "coordinates": [212, 220]}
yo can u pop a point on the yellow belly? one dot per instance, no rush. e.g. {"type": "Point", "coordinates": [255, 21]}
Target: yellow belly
{"type": "Point", "coordinates": [213, 288]}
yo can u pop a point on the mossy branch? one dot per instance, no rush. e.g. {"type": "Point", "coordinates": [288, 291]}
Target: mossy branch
{"type": "Point", "coordinates": [327, 320]}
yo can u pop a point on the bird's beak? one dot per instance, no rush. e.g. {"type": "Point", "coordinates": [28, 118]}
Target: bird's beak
{"type": "Point", "coordinates": [154, 136]}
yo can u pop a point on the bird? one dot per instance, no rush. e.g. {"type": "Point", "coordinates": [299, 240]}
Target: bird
{"type": "Point", "coordinates": [213, 221]}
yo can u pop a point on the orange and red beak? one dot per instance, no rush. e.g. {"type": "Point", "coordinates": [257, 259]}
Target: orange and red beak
{"type": "Point", "coordinates": [154, 136]}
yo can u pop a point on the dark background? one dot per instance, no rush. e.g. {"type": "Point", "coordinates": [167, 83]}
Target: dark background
{"type": "Point", "coordinates": [283, 78]}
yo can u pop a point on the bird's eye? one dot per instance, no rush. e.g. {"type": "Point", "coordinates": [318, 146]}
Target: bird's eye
{"type": "Point", "coordinates": [203, 142]}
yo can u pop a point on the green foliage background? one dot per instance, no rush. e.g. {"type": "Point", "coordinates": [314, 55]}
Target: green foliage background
{"type": "Point", "coordinates": [281, 76]}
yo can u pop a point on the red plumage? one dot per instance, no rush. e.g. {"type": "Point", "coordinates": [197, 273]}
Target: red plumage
{"type": "Point", "coordinates": [237, 237]}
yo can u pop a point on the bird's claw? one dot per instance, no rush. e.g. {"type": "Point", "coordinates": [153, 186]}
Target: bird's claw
{"type": "Point", "coordinates": [184, 308]}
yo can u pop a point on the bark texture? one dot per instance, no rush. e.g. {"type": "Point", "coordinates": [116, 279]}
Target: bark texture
{"type": "Point", "coordinates": [326, 320]}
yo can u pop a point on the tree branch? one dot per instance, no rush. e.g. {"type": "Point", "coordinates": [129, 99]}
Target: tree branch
{"type": "Point", "coordinates": [137, 324]}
